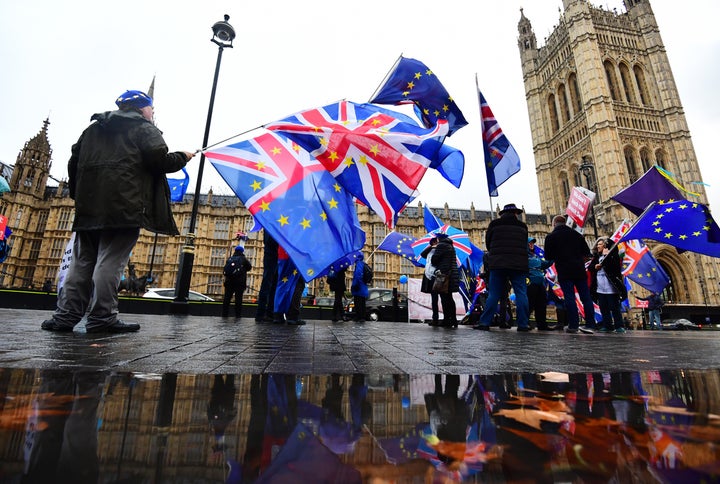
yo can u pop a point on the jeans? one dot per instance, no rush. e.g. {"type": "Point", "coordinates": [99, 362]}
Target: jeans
{"type": "Point", "coordinates": [573, 318]}
{"type": "Point", "coordinates": [654, 317]}
{"type": "Point", "coordinates": [496, 288]}
{"type": "Point", "coordinates": [99, 258]}
{"type": "Point", "coordinates": [610, 309]}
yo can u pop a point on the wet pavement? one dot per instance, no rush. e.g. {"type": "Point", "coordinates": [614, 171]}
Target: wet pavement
{"type": "Point", "coordinates": [204, 399]}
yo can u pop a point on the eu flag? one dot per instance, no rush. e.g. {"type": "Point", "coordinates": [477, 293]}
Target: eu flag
{"type": "Point", "coordinates": [501, 159]}
{"type": "Point", "coordinates": [294, 198]}
{"type": "Point", "coordinates": [377, 157]}
{"type": "Point", "coordinates": [686, 225]}
{"type": "Point", "coordinates": [178, 187]}
{"type": "Point", "coordinates": [411, 81]}
{"type": "Point", "coordinates": [400, 244]}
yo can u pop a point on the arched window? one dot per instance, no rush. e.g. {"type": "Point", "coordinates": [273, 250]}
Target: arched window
{"type": "Point", "coordinates": [628, 84]}
{"type": "Point", "coordinates": [660, 158]}
{"type": "Point", "coordinates": [562, 99]}
{"type": "Point", "coordinates": [642, 86]}
{"type": "Point", "coordinates": [552, 109]}
{"type": "Point", "coordinates": [611, 80]}
{"type": "Point", "coordinates": [575, 99]}
{"type": "Point", "coordinates": [565, 185]}
{"type": "Point", "coordinates": [630, 164]}
{"type": "Point", "coordinates": [645, 159]}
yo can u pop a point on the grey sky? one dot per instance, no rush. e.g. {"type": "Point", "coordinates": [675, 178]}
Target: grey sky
{"type": "Point", "coordinates": [68, 60]}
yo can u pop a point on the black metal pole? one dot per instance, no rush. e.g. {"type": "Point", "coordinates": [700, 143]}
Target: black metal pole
{"type": "Point", "coordinates": [182, 287]}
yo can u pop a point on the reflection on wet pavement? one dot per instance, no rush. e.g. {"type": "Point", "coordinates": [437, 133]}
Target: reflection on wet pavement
{"type": "Point", "coordinates": [653, 426]}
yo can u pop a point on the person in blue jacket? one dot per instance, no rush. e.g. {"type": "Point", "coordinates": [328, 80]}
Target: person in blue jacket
{"type": "Point", "coordinates": [359, 289]}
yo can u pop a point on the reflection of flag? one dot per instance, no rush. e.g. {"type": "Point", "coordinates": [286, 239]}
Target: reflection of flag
{"type": "Point", "coordinates": [410, 81]}
{"type": "Point", "coordinates": [178, 187]}
{"type": "Point", "coordinates": [375, 156]}
{"type": "Point", "coordinates": [294, 198]}
{"type": "Point", "coordinates": [640, 266]}
{"type": "Point", "coordinates": [682, 224]}
{"type": "Point", "coordinates": [648, 188]}
{"type": "Point", "coordinates": [501, 159]}
{"type": "Point", "coordinates": [400, 244]}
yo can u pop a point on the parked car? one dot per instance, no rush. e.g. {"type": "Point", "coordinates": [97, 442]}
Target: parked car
{"type": "Point", "coordinates": [169, 293]}
{"type": "Point", "coordinates": [324, 301]}
{"type": "Point", "coordinates": [379, 306]}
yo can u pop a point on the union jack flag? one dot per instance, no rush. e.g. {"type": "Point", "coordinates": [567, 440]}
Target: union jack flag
{"type": "Point", "coordinates": [294, 198]}
{"type": "Point", "coordinates": [375, 156]}
{"type": "Point", "coordinates": [639, 265]}
{"type": "Point", "coordinates": [501, 159]}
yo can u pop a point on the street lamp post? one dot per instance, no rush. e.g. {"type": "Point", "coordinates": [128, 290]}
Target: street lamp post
{"type": "Point", "coordinates": [588, 169]}
{"type": "Point", "coordinates": [223, 35]}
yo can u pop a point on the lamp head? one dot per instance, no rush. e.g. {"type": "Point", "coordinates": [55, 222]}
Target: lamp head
{"type": "Point", "coordinates": [223, 33]}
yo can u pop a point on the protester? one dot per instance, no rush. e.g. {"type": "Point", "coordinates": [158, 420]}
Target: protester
{"type": "Point", "coordinates": [537, 299]}
{"type": "Point", "coordinates": [445, 261]}
{"type": "Point", "coordinates": [266, 295]}
{"type": "Point", "coordinates": [288, 293]}
{"type": "Point", "coordinates": [506, 242]}
{"type": "Point", "coordinates": [337, 284]}
{"type": "Point", "coordinates": [567, 249]}
{"type": "Point", "coordinates": [359, 290]}
{"type": "Point", "coordinates": [235, 272]}
{"type": "Point", "coordinates": [607, 285]}
{"type": "Point", "coordinates": [429, 278]}
{"type": "Point", "coordinates": [655, 304]}
{"type": "Point", "coordinates": [116, 175]}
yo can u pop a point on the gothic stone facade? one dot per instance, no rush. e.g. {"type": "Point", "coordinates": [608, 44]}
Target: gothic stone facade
{"type": "Point", "coordinates": [603, 109]}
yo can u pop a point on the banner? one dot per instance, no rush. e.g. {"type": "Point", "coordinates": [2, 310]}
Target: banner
{"type": "Point", "coordinates": [579, 204]}
{"type": "Point", "coordinates": [65, 262]}
{"type": "Point", "coordinates": [420, 303]}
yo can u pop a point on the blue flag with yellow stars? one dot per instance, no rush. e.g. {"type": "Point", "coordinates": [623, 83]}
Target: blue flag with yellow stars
{"type": "Point", "coordinates": [294, 198]}
{"type": "Point", "coordinates": [411, 81]}
{"type": "Point", "coordinates": [400, 244]}
{"type": "Point", "coordinates": [686, 225]}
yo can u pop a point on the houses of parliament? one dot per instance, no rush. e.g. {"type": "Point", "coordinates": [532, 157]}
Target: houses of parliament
{"type": "Point", "coordinates": [603, 109]}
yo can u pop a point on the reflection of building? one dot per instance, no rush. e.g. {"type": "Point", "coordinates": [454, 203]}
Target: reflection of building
{"type": "Point", "coordinates": [604, 108]}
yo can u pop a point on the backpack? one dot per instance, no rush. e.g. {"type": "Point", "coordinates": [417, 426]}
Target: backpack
{"type": "Point", "coordinates": [367, 276]}
{"type": "Point", "coordinates": [233, 268]}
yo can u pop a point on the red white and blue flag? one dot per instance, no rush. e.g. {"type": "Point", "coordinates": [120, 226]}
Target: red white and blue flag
{"type": "Point", "coordinates": [501, 159]}
{"type": "Point", "coordinates": [294, 198]}
{"type": "Point", "coordinates": [376, 156]}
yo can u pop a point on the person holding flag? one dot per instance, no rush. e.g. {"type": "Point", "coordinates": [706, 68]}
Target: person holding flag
{"type": "Point", "coordinates": [607, 285]}
{"type": "Point", "coordinates": [116, 175]}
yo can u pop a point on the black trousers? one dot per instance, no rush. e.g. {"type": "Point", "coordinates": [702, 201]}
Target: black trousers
{"type": "Point", "coordinates": [233, 290]}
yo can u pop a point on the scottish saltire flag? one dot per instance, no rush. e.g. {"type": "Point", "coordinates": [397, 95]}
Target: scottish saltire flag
{"type": "Point", "coordinates": [685, 225]}
{"type": "Point", "coordinates": [294, 198]}
{"type": "Point", "coordinates": [400, 244]}
{"type": "Point", "coordinates": [178, 187]}
{"type": "Point", "coordinates": [652, 186]}
{"type": "Point", "coordinates": [375, 156]}
{"type": "Point", "coordinates": [501, 159]}
{"type": "Point", "coordinates": [411, 81]}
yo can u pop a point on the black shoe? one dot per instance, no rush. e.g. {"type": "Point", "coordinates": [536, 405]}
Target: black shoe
{"type": "Point", "coordinates": [118, 327]}
{"type": "Point", "coordinates": [523, 329]}
{"type": "Point", "coordinates": [547, 328]}
{"type": "Point", "coordinates": [481, 327]}
{"type": "Point", "coordinates": [571, 330]}
{"type": "Point", "coordinates": [585, 330]}
{"type": "Point", "coordinates": [52, 325]}
{"type": "Point", "coordinates": [296, 322]}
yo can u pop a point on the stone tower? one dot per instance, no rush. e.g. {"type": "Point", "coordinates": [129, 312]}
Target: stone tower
{"type": "Point", "coordinates": [32, 167]}
{"type": "Point", "coordinates": [603, 109]}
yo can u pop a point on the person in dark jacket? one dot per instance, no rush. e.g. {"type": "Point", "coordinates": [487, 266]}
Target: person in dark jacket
{"type": "Point", "coordinates": [537, 295]}
{"type": "Point", "coordinates": [116, 175]}
{"type": "Point", "coordinates": [655, 304]}
{"type": "Point", "coordinates": [445, 261]}
{"type": "Point", "coordinates": [568, 250]}
{"type": "Point", "coordinates": [607, 285]}
{"type": "Point", "coordinates": [337, 284]}
{"type": "Point", "coordinates": [506, 242]}
{"type": "Point", "coordinates": [428, 279]}
{"type": "Point", "coordinates": [235, 272]}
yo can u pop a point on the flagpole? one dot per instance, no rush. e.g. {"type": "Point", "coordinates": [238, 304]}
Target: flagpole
{"type": "Point", "coordinates": [385, 79]}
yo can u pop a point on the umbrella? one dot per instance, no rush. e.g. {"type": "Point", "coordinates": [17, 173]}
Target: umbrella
{"type": "Point", "coordinates": [460, 239]}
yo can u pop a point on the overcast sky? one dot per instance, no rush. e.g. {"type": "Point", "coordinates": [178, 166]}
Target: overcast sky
{"type": "Point", "coordinates": [68, 60]}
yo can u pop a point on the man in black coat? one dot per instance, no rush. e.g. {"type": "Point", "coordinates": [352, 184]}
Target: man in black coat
{"type": "Point", "coordinates": [116, 176]}
{"type": "Point", "coordinates": [568, 250]}
{"type": "Point", "coordinates": [445, 261]}
{"type": "Point", "coordinates": [235, 271]}
{"type": "Point", "coordinates": [506, 243]}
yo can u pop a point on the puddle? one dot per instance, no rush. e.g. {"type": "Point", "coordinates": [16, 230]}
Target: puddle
{"type": "Point", "coordinates": [655, 426]}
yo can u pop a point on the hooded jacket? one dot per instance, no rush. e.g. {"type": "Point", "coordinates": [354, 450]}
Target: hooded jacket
{"type": "Point", "coordinates": [117, 175]}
